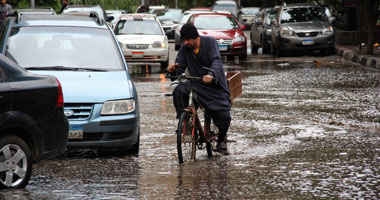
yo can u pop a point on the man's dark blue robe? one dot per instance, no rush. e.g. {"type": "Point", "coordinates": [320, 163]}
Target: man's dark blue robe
{"type": "Point", "coordinates": [212, 97]}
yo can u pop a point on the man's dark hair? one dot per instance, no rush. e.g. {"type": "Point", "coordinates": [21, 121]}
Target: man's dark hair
{"type": "Point", "coordinates": [189, 31]}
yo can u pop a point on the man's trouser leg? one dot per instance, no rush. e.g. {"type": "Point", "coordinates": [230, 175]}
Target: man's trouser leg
{"type": "Point", "coordinates": [181, 97]}
{"type": "Point", "coordinates": [222, 120]}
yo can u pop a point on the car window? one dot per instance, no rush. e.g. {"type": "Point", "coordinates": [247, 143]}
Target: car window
{"type": "Point", "coordinates": [64, 46]}
{"type": "Point", "coordinates": [250, 11]}
{"type": "Point", "coordinates": [308, 14]}
{"type": "Point", "coordinates": [1, 75]}
{"type": "Point", "coordinates": [269, 16]}
{"type": "Point", "coordinates": [215, 22]}
{"type": "Point", "coordinates": [173, 15]}
{"type": "Point", "coordinates": [146, 27]}
{"type": "Point", "coordinates": [98, 10]}
{"type": "Point", "coordinates": [227, 7]}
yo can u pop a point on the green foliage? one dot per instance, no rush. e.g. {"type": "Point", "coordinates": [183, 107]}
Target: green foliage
{"type": "Point", "coordinates": [129, 5]}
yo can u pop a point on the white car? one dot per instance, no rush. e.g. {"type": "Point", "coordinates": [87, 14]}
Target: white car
{"type": "Point", "coordinates": [142, 39]}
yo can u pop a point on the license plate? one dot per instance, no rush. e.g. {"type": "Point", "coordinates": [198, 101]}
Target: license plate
{"type": "Point", "coordinates": [222, 47]}
{"type": "Point", "coordinates": [137, 54]}
{"type": "Point", "coordinates": [307, 42]}
{"type": "Point", "coordinates": [76, 132]}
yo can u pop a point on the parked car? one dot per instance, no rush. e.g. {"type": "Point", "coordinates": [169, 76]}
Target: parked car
{"type": "Point", "coordinates": [225, 29]}
{"type": "Point", "coordinates": [87, 9]}
{"type": "Point", "coordinates": [261, 31]}
{"type": "Point", "coordinates": [248, 15]}
{"type": "Point", "coordinates": [115, 14]}
{"type": "Point", "coordinates": [38, 11]}
{"type": "Point", "coordinates": [143, 40]}
{"type": "Point", "coordinates": [33, 126]}
{"type": "Point", "coordinates": [183, 20]}
{"type": "Point", "coordinates": [101, 101]}
{"type": "Point", "coordinates": [169, 18]}
{"type": "Point", "coordinates": [226, 5]}
{"type": "Point", "coordinates": [301, 27]}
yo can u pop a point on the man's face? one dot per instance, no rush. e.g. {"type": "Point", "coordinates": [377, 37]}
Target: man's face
{"type": "Point", "coordinates": [190, 43]}
{"type": "Point", "coordinates": [3, 2]}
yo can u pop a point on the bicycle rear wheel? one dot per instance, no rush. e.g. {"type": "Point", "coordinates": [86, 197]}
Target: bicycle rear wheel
{"type": "Point", "coordinates": [185, 139]}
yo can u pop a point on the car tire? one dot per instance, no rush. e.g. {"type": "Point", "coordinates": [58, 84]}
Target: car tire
{"type": "Point", "coordinates": [19, 162]}
{"type": "Point", "coordinates": [243, 57]}
{"type": "Point", "coordinates": [177, 47]}
{"type": "Point", "coordinates": [164, 65]}
{"type": "Point", "coordinates": [253, 48]}
{"type": "Point", "coordinates": [136, 147]}
{"type": "Point", "coordinates": [265, 48]}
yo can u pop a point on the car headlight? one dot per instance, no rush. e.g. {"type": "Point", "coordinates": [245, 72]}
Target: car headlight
{"type": "Point", "coordinates": [239, 39]}
{"type": "Point", "coordinates": [328, 31]}
{"type": "Point", "coordinates": [118, 107]}
{"type": "Point", "coordinates": [159, 44]}
{"type": "Point", "coordinates": [286, 32]}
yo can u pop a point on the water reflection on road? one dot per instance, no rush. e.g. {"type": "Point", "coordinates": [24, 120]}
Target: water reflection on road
{"type": "Point", "coordinates": [301, 131]}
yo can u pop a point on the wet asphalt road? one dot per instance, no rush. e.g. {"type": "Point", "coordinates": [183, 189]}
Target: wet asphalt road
{"type": "Point", "coordinates": [305, 127]}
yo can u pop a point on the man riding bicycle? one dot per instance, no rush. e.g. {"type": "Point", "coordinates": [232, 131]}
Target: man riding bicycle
{"type": "Point", "coordinates": [196, 53]}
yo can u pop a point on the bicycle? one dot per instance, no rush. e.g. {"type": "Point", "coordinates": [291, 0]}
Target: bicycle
{"type": "Point", "coordinates": [191, 135]}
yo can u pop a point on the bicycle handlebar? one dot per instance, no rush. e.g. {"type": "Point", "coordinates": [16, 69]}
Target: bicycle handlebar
{"type": "Point", "coordinates": [184, 76]}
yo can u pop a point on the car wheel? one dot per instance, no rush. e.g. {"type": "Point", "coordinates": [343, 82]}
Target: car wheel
{"type": "Point", "coordinates": [253, 48]}
{"type": "Point", "coordinates": [164, 65]}
{"type": "Point", "coordinates": [177, 47]}
{"type": "Point", "coordinates": [136, 147]}
{"type": "Point", "coordinates": [15, 162]}
{"type": "Point", "coordinates": [265, 48]}
{"type": "Point", "coordinates": [279, 53]}
{"type": "Point", "coordinates": [243, 57]}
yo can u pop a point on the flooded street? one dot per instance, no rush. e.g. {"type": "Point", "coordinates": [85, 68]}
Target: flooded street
{"type": "Point", "coordinates": [300, 130]}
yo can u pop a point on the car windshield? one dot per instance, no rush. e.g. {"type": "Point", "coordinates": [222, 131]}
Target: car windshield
{"type": "Point", "coordinates": [146, 27]}
{"type": "Point", "coordinates": [250, 11]}
{"type": "Point", "coordinates": [226, 7]}
{"type": "Point", "coordinates": [172, 15]}
{"type": "Point", "coordinates": [269, 16]}
{"type": "Point", "coordinates": [215, 22]}
{"type": "Point", "coordinates": [308, 14]}
{"type": "Point", "coordinates": [75, 47]}
{"type": "Point", "coordinates": [86, 9]}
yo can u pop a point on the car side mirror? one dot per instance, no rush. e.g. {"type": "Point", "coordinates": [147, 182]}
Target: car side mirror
{"type": "Point", "coordinates": [242, 27]}
{"type": "Point", "coordinates": [273, 22]}
{"type": "Point", "coordinates": [259, 23]}
{"type": "Point", "coordinates": [169, 33]}
{"type": "Point", "coordinates": [110, 18]}
{"type": "Point", "coordinates": [331, 19]}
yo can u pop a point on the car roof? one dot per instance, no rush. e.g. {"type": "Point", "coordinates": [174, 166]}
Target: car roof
{"type": "Point", "coordinates": [58, 20]}
{"type": "Point", "coordinates": [214, 14]}
{"type": "Point", "coordinates": [225, 2]}
{"type": "Point", "coordinates": [138, 16]}
{"type": "Point", "coordinates": [300, 5]}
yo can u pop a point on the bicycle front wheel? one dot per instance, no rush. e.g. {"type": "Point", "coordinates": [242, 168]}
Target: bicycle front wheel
{"type": "Point", "coordinates": [185, 139]}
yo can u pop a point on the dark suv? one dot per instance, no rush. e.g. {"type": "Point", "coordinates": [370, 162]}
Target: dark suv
{"type": "Point", "coordinates": [32, 123]}
{"type": "Point", "coordinates": [302, 27]}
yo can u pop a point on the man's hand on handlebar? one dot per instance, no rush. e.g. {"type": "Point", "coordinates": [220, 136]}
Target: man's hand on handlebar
{"type": "Point", "coordinates": [172, 67]}
{"type": "Point", "coordinates": [207, 78]}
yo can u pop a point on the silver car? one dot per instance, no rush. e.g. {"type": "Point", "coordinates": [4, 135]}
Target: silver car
{"type": "Point", "coordinates": [248, 15]}
{"type": "Point", "coordinates": [142, 39]}
{"type": "Point", "coordinates": [302, 27]}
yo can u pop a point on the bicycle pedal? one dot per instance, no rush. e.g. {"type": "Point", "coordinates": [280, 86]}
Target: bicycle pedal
{"type": "Point", "coordinates": [224, 152]}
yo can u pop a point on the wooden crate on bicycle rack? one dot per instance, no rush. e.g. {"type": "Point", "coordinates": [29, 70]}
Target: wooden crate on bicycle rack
{"type": "Point", "coordinates": [234, 84]}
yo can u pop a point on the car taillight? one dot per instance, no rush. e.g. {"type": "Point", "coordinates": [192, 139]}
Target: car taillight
{"type": "Point", "coordinates": [60, 94]}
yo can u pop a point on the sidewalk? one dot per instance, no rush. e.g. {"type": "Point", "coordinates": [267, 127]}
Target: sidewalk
{"type": "Point", "coordinates": [354, 54]}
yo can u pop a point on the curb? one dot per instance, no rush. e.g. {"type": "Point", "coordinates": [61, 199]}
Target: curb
{"type": "Point", "coordinates": [361, 59]}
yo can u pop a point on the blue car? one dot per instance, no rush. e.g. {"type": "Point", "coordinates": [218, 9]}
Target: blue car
{"type": "Point", "coordinates": [100, 98]}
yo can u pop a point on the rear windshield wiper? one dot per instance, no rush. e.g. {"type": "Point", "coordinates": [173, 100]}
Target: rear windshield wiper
{"type": "Point", "coordinates": [63, 68]}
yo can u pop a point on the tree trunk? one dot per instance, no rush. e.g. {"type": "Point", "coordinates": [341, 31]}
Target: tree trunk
{"type": "Point", "coordinates": [372, 9]}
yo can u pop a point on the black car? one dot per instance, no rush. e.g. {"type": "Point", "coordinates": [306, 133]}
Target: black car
{"type": "Point", "coordinates": [33, 126]}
